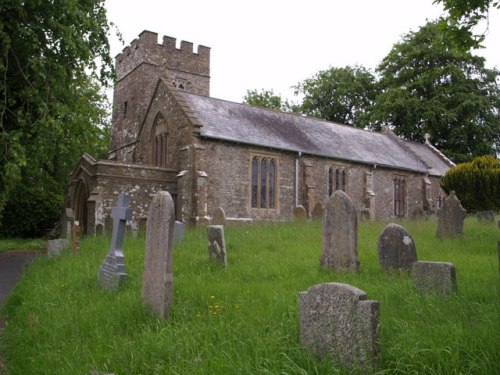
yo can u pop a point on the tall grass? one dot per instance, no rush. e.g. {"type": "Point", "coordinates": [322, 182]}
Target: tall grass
{"type": "Point", "coordinates": [243, 319]}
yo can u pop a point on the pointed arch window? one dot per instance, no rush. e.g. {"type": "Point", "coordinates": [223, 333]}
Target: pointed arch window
{"type": "Point", "coordinates": [263, 190]}
{"type": "Point", "coordinates": [330, 181]}
{"type": "Point", "coordinates": [159, 149]}
{"type": "Point", "coordinates": [399, 196]}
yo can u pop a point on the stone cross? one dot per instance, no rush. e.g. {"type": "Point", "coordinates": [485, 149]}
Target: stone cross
{"type": "Point", "coordinates": [337, 320]}
{"type": "Point", "coordinates": [396, 248]}
{"type": "Point", "coordinates": [158, 277]}
{"type": "Point", "coordinates": [340, 234]}
{"type": "Point", "coordinates": [450, 217]}
{"type": "Point", "coordinates": [112, 272]}
{"type": "Point", "coordinates": [434, 277]}
{"type": "Point", "coordinates": [217, 244]}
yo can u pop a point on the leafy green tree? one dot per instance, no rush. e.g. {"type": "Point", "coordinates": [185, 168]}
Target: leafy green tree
{"type": "Point", "coordinates": [54, 61]}
{"type": "Point", "coordinates": [268, 99]}
{"type": "Point", "coordinates": [339, 94]}
{"type": "Point", "coordinates": [476, 183]}
{"type": "Point", "coordinates": [429, 86]}
{"type": "Point", "coordinates": [463, 17]}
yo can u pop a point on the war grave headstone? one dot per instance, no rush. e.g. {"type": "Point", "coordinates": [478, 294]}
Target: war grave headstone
{"type": "Point", "coordinates": [318, 211]}
{"type": "Point", "coordinates": [179, 229]}
{"type": "Point", "coordinates": [217, 244]}
{"type": "Point", "coordinates": [450, 217]}
{"type": "Point", "coordinates": [337, 320]}
{"type": "Point", "coordinates": [396, 248]}
{"type": "Point", "coordinates": [219, 217]}
{"type": "Point", "coordinates": [299, 214]}
{"type": "Point", "coordinates": [434, 277]}
{"type": "Point", "coordinates": [55, 247]}
{"type": "Point", "coordinates": [158, 277]}
{"type": "Point", "coordinates": [112, 272]}
{"type": "Point", "coordinates": [340, 234]}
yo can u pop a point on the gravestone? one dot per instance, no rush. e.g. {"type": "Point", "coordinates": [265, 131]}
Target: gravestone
{"type": "Point", "coordinates": [112, 272]}
{"type": "Point", "coordinates": [318, 211]}
{"type": "Point", "coordinates": [299, 214]}
{"type": "Point", "coordinates": [217, 244]}
{"type": "Point", "coordinates": [486, 216]}
{"type": "Point", "coordinates": [75, 237]}
{"type": "Point", "coordinates": [434, 277]}
{"type": "Point", "coordinates": [55, 247]}
{"type": "Point", "coordinates": [69, 218]}
{"type": "Point", "coordinates": [219, 217]}
{"type": "Point", "coordinates": [179, 229]}
{"type": "Point", "coordinates": [450, 217]}
{"type": "Point", "coordinates": [158, 277]}
{"type": "Point", "coordinates": [337, 320]}
{"type": "Point", "coordinates": [340, 234]}
{"type": "Point", "coordinates": [396, 248]}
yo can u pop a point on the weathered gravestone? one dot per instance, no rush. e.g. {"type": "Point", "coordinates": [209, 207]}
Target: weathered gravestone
{"type": "Point", "coordinates": [112, 272]}
{"type": "Point", "coordinates": [217, 244]}
{"type": "Point", "coordinates": [340, 234]}
{"type": "Point", "coordinates": [450, 217]}
{"type": "Point", "coordinates": [55, 247]}
{"type": "Point", "coordinates": [299, 214]}
{"type": "Point", "coordinates": [219, 217]}
{"type": "Point", "coordinates": [318, 211]}
{"type": "Point", "coordinates": [67, 224]}
{"type": "Point", "coordinates": [158, 277]}
{"type": "Point", "coordinates": [434, 277]}
{"type": "Point", "coordinates": [75, 237]}
{"type": "Point", "coordinates": [396, 248]}
{"type": "Point", "coordinates": [337, 320]}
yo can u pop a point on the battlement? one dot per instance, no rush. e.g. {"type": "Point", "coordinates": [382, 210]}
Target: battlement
{"type": "Point", "coordinates": [146, 49]}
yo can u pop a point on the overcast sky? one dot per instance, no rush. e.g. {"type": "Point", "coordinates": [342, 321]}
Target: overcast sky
{"type": "Point", "coordinates": [274, 44]}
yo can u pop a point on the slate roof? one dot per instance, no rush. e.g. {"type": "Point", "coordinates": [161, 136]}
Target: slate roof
{"type": "Point", "coordinates": [242, 123]}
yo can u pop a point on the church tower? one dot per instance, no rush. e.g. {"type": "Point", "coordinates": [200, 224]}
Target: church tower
{"type": "Point", "coordinates": [138, 69]}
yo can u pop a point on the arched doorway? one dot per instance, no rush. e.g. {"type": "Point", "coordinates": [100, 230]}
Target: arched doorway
{"type": "Point", "coordinates": [80, 205]}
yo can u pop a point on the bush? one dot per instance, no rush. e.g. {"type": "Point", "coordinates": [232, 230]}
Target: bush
{"type": "Point", "coordinates": [476, 184]}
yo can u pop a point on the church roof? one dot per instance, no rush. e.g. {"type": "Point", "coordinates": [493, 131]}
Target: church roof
{"type": "Point", "coordinates": [242, 123]}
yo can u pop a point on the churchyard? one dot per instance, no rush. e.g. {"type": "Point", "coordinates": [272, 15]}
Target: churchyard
{"type": "Point", "coordinates": [242, 315]}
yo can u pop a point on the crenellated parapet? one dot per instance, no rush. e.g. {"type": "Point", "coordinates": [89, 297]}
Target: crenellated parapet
{"type": "Point", "coordinates": [166, 55]}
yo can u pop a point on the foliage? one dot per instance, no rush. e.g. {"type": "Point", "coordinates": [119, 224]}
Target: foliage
{"type": "Point", "coordinates": [54, 59]}
{"type": "Point", "coordinates": [244, 318]}
{"type": "Point", "coordinates": [268, 99]}
{"type": "Point", "coordinates": [476, 184]}
{"type": "Point", "coordinates": [340, 95]}
{"type": "Point", "coordinates": [429, 86]}
{"type": "Point", "coordinates": [463, 17]}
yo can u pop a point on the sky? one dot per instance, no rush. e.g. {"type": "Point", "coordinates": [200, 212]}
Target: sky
{"type": "Point", "coordinates": [275, 44]}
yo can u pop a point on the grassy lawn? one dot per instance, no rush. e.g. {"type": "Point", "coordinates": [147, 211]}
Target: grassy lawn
{"type": "Point", "coordinates": [244, 319]}
{"type": "Point", "coordinates": [7, 244]}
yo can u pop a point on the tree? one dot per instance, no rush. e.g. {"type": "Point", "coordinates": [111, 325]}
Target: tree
{"type": "Point", "coordinates": [429, 86]}
{"type": "Point", "coordinates": [268, 99]}
{"type": "Point", "coordinates": [339, 94]}
{"type": "Point", "coordinates": [54, 61]}
{"type": "Point", "coordinates": [476, 183]}
{"type": "Point", "coordinates": [463, 17]}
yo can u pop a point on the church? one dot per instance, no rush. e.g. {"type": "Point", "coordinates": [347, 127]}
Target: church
{"type": "Point", "coordinates": [254, 163]}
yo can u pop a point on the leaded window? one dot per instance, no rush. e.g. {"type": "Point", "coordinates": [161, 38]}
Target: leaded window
{"type": "Point", "coordinates": [263, 185]}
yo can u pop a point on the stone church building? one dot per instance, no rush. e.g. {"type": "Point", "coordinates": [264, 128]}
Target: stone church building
{"type": "Point", "coordinates": [254, 163]}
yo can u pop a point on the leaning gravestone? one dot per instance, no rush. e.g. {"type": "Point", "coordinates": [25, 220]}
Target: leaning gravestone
{"type": "Point", "coordinates": [217, 244]}
{"type": "Point", "coordinates": [396, 248]}
{"type": "Point", "coordinates": [112, 272]}
{"type": "Point", "coordinates": [219, 217]}
{"type": "Point", "coordinates": [450, 217]}
{"type": "Point", "coordinates": [336, 319]}
{"type": "Point", "coordinates": [340, 234]}
{"type": "Point", "coordinates": [434, 277]}
{"type": "Point", "coordinates": [158, 278]}
{"type": "Point", "coordinates": [300, 214]}
{"type": "Point", "coordinates": [318, 211]}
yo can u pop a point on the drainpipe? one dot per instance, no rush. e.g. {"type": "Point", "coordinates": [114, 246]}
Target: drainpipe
{"type": "Point", "coordinates": [297, 179]}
